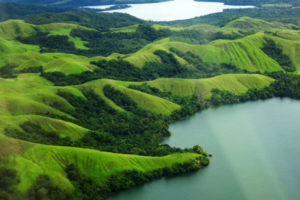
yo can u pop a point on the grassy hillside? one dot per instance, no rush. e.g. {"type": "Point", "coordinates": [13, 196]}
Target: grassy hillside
{"type": "Point", "coordinates": [244, 52]}
{"type": "Point", "coordinates": [31, 160]}
{"type": "Point", "coordinates": [256, 2]}
{"type": "Point", "coordinates": [77, 3]}
{"type": "Point", "coordinates": [61, 93]}
{"type": "Point", "coordinates": [235, 83]}
{"type": "Point", "coordinates": [15, 28]}
{"type": "Point", "coordinates": [143, 100]}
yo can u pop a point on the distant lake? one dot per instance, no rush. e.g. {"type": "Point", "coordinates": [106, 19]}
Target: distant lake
{"type": "Point", "coordinates": [173, 10]}
{"type": "Point", "coordinates": [256, 155]}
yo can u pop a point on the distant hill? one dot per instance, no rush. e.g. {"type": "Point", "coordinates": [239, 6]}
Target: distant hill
{"type": "Point", "coordinates": [81, 2]}
{"type": "Point", "coordinates": [86, 98]}
{"type": "Point", "coordinates": [21, 11]}
{"type": "Point", "coordinates": [256, 2]}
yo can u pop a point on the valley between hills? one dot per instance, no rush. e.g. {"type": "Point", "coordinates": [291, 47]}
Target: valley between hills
{"type": "Point", "coordinates": [86, 101]}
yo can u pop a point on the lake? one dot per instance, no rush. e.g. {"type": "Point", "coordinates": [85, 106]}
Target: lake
{"type": "Point", "coordinates": [173, 10]}
{"type": "Point", "coordinates": [256, 155]}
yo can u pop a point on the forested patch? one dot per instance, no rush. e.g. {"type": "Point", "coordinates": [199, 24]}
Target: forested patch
{"type": "Point", "coordinates": [189, 105]}
{"type": "Point", "coordinates": [8, 71]}
{"type": "Point", "coordinates": [8, 183]}
{"type": "Point", "coordinates": [284, 86]}
{"type": "Point", "coordinates": [98, 43]}
{"type": "Point", "coordinates": [35, 133]}
{"type": "Point", "coordinates": [78, 3]}
{"type": "Point", "coordinates": [85, 188]}
{"type": "Point", "coordinates": [168, 67]}
{"type": "Point", "coordinates": [256, 2]}
{"type": "Point", "coordinates": [285, 15]}
{"type": "Point", "coordinates": [123, 70]}
{"type": "Point", "coordinates": [136, 131]}
{"type": "Point", "coordinates": [99, 21]}
{"type": "Point", "coordinates": [44, 188]}
{"type": "Point", "coordinates": [133, 130]}
{"type": "Point", "coordinates": [205, 69]}
{"type": "Point", "coordinates": [53, 43]}
{"type": "Point", "coordinates": [9, 10]}
{"type": "Point", "coordinates": [272, 50]}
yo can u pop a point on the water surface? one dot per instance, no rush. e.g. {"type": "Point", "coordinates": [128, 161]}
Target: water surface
{"type": "Point", "coordinates": [256, 155]}
{"type": "Point", "coordinates": [174, 10]}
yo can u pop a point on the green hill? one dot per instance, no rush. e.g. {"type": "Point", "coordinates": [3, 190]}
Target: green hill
{"type": "Point", "coordinates": [86, 98]}
{"type": "Point", "coordinates": [143, 100]}
{"type": "Point", "coordinates": [235, 83]}
{"type": "Point", "coordinates": [31, 160]}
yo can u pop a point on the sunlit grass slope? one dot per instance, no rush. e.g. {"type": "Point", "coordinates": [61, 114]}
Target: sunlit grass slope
{"type": "Point", "coordinates": [65, 29]}
{"type": "Point", "coordinates": [253, 24]}
{"type": "Point", "coordinates": [11, 29]}
{"type": "Point", "coordinates": [245, 53]}
{"type": "Point", "coordinates": [30, 98]}
{"type": "Point", "coordinates": [146, 54]}
{"type": "Point", "coordinates": [235, 83]}
{"type": "Point", "coordinates": [11, 46]}
{"type": "Point", "coordinates": [143, 100]}
{"type": "Point", "coordinates": [63, 128]}
{"type": "Point", "coordinates": [24, 56]}
{"type": "Point", "coordinates": [31, 160]}
{"type": "Point", "coordinates": [126, 29]}
{"type": "Point", "coordinates": [290, 47]}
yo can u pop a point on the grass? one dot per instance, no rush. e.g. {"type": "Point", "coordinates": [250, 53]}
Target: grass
{"type": "Point", "coordinates": [143, 100]}
{"type": "Point", "coordinates": [290, 48]}
{"type": "Point", "coordinates": [281, 5]}
{"type": "Point", "coordinates": [25, 56]}
{"type": "Point", "coordinates": [253, 24]}
{"type": "Point", "coordinates": [235, 83]}
{"type": "Point", "coordinates": [11, 29]}
{"type": "Point", "coordinates": [245, 53]}
{"type": "Point", "coordinates": [30, 160]}
{"type": "Point", "coordinates": [63, 128]}
{"type": "Point", "coordinates": [30, 94]}
{"type": "Point", "coordinates": [126, 29]}
{"type": "Point", "coordinates": [30, 98]}
{"type": "Point", "coordinates": [11, 46]}
{"type": "Point", "coordinates": [146, 54]}
{"type": "Point", "coordinates": [67, 64]}
{"type": "Point", "coordinates": [65, 29]}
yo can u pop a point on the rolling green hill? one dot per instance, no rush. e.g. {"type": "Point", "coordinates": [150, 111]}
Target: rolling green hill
{"type": "Point", "coordinates": [32, 160]}
{"type": "Point", "coordinates": [91, 117]}
{"type": "Point", "coordinates": [244, 52]}
{"type": "Point", "coordinates": [235, 83]}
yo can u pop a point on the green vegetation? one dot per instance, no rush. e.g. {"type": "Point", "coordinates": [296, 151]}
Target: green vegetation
{"type": "Point", "coordinates": [77, 3]}
{"type": "Point", "coordinates": [284, 86]}
{"type": "Point", "coordinates": [99, 21]}
{"type": "Point", "coordinates": [31, 161]}
{"type": "Point", "coordinates": [236, 83]}
{"type": "Point", "coordinates": [274, 52]}
{"type": "Point", "coordinates": [87, 98]}
{"type": "Point", "coordinates": [21, 11]}
{"type": "Point", "coordinates": [257, 2]}
{"type": "Point", "coordinates": [285, 15]}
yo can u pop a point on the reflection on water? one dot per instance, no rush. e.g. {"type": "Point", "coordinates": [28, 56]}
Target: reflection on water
{"type": "Point", "coordinates": [255, 146]}
{"type": "Point", "coordinates": [174, 10]}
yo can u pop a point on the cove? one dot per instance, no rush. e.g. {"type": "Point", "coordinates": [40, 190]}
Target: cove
{"type": "Point", "coordinates": [173, 10]}
{"type": "Point", "coordinates": [256, 154]}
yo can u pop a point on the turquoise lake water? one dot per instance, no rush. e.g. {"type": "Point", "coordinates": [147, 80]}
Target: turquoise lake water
{"type": "Point", "coordinates": [256, 155]}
